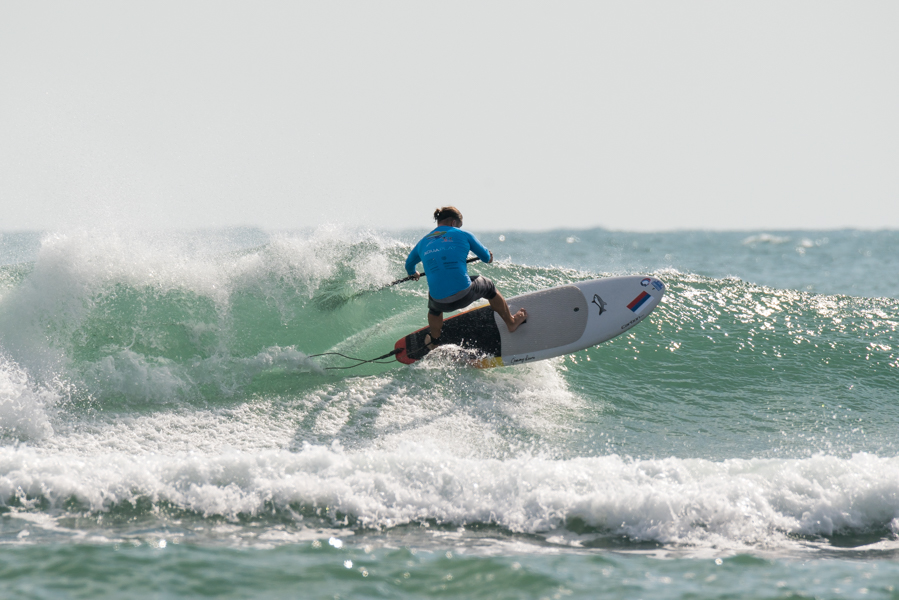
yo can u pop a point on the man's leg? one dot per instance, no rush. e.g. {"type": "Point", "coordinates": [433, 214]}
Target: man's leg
{"type": "Point", "coordinates": [498, 304]}
{"type": "Point", "coordinates": [436, 324]}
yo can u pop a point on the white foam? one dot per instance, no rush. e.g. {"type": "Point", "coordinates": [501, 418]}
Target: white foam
{"type": "Point", "coordinates": [468, 411]}
{"type": "Point", "coordinates": [23, 405]}
{"type": "Point", "coordinates": [458, 410]}
{"type": "Point", "coordinates": [728, 504]}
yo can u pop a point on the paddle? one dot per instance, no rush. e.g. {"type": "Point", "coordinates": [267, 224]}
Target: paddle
{"type": "Point", "coordinates": [470, 260]}
{"type": "Point", "coordinates": [331, 302]}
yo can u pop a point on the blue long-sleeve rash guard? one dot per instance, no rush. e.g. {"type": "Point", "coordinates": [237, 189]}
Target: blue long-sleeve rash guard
{"type": "Point", "coordinates": [444, 252]}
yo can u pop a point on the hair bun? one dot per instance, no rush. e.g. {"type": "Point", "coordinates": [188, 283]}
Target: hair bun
{"type": "Point", "coordinates": [447, 212]}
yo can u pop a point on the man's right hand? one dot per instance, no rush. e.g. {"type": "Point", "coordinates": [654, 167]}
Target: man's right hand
{"type": "Point", "coordinates": [491, 257]}
{"type": "Point", "coordinates": [417, 275]}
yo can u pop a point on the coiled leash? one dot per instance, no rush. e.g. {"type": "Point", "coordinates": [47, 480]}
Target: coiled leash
{"type": "Point", "coordinates": [379, 360]}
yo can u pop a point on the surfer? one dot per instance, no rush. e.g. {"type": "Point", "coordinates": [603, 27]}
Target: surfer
{"type": "Point", "coordinates": [444, 252]}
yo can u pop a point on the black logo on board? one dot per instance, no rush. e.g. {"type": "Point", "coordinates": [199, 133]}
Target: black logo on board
{"type": "Point", "coordinates": [599, 302]}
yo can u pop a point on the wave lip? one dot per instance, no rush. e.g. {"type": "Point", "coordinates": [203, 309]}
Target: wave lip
{"type": "Point", "coordinates": [680, 502]}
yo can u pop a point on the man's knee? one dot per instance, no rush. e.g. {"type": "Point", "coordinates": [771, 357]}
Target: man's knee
{"type": "Point", "coordinates": [489, 290]}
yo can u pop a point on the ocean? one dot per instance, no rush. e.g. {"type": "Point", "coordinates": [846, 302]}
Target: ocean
{"type": "Point", "coordinates": [165, 431]}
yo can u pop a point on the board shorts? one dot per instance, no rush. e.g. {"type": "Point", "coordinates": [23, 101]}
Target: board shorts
{"type": "Point", "coordinates": [480, 287]}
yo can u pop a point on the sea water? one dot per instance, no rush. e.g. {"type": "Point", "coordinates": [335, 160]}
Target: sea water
{"type": "Point", "coordinates": [166, 432]}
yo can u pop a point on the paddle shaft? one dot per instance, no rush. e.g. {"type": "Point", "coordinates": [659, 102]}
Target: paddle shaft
{"type": "Point", "coordinates": [470, 260]}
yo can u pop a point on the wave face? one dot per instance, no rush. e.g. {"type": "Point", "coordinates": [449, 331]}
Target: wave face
{"type": "Point", "coordinates": [172, 380]}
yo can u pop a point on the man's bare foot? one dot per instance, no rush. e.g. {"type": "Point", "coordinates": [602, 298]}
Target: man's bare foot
{"type": "Point", "coordinates": [517, 319]}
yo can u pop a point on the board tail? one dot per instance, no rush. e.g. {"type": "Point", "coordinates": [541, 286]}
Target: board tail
{"type": "Point", "coordinates": [401, 354]}
{"type": "Point", "coordinates": [411, 348]}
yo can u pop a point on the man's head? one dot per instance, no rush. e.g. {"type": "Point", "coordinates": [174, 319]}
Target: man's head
{"type": "Point", "coordinates": [448, 215]}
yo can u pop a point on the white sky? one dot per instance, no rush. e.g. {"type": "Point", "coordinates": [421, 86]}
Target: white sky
{"type": "Point", "coordinates": [525, 115]}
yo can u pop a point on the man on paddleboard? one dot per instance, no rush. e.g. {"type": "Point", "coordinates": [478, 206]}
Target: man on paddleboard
{"type": "Point", "coordinates": [444, 253]}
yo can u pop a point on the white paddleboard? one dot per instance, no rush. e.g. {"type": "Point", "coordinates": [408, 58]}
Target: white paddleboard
{"type": "Point", "coordinates": [561, 320]}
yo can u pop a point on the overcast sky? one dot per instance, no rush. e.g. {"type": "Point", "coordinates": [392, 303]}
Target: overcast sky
{"type": "Point", "coordinates": [625, 115]}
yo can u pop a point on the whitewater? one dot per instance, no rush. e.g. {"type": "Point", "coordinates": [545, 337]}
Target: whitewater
{"type": "Point", "coordinates": [165, 428]}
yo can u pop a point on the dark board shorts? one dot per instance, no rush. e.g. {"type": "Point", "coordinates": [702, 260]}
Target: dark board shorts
{"type": "Point", "coordinates": [480, 287]}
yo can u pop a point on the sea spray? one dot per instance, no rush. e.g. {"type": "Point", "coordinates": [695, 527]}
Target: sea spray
{"type": "Point", "coordinates": [23, 405]}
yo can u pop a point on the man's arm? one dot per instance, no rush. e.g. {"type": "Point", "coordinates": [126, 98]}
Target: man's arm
{"type": "Point", "coordinates": [412, 260]}
{"type": "Point", "coordinates": [479, 249]}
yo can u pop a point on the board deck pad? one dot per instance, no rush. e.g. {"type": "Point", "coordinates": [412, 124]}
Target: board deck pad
{"type": "Point", "coordinates": [561, 320]}
{"type": "Point", "coordinates": [474, 330]}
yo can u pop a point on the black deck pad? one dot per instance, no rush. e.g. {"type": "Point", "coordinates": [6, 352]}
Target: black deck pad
{"type": "Point", "coordinates": [473, 330]}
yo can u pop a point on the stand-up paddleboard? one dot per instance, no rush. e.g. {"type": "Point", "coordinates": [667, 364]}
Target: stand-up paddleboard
{"type": "Point", "coordinates": [561, 320]}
